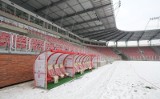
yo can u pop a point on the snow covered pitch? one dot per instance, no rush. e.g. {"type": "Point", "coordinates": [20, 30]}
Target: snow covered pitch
{"type": "Point", "coordinates": [120, 80]}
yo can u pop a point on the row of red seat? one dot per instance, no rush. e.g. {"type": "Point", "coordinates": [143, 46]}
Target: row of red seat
{"type": "Point", "coordinates": [139, 53]}
{"type": "Point", "coordinates": [57, 71]}
{"type": "Point", "coordinates": [131, 52]}
{"type": "Point", "coordinates": [4, 39]}
{"type": "Point", "coordinates": [110, 52]}
{"type": "Point", "coordinates": [106, 52]}
{"type": "Point", "coordinates": [148, 51]}
{"type": "Point", "coordinates": [17, 42]}
{"type": "Point", "coordinates": [34, 44]}
{"type": "Point", "coordinates": [31, 30]}
{"type": "Point", "coordinates": [20, 42]}
{"type": "Point", "coordinates": [57, 42]}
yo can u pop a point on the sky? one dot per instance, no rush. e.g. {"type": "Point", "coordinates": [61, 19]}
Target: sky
{"type": "Point", "coordinates": [135, 14]}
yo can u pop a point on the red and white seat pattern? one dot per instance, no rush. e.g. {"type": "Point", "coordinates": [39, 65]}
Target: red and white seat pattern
{"type": "Point", "coordinates": [21, 42]}
{"type": "Point", "coordinates": [4, 39]}
{"type": "Point", "coordinates": [37, 44]}
{"type": "Point", "coordinates": [131, 52]}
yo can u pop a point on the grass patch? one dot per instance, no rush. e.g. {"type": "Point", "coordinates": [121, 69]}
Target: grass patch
{"type": "Point", "coordinates": [66, 79]}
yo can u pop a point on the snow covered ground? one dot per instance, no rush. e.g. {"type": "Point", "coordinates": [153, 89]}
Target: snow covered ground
{"type": "Point", "coordinates": [120, 80]}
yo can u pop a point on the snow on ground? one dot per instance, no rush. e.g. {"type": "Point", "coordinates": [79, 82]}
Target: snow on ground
{"type": "Point", "coordinates": [120, 80]}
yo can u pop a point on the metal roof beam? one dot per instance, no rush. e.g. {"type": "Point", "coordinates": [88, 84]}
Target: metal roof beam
{"type": "Point", "coordinates": [130, 34]}
{"type": "Point", "coordinates": [101, 34]}
{"type": "Point", "coordinates": [108, 36]}
{"type": "Point", "coordinates": [89, 33]}
{"type": "Point", "coordinates": [119, 37]}
{"type": "Point", "coordinates": [81, 22]}
{"type": "Point", "coordinates": [154, 35]}
{"type": "Point", "coordinates": [95, 19]}
{"type": "Point", "coordinates": [136, 36]}
{"type": "Point", "coordinates": [81, 12]}
{"type": "Point", "coordinates": [50, 5]}
{"type": "Point", "coordinates": [87, 28]}
{"type": "Point", "coordinates": [25, 2]}
{"type": "Point", "coordinates": [100, 38]}
{"type": "Point", "coordinates": [111, 37]}
{"type": "Point", "coordinates": [92, 34]}
{"type": "Point", "coordinates": [104, 34]}
{"type": "Point", "coordinates": [126, 36]}
{"type": "Point", "coordinates": [96, 33]}
{"type": "Point", "coordinates": [141, 36]}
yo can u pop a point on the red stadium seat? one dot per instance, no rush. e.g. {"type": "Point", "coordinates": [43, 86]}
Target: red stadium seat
{"type": "Point", "coordinates": [52, 73]}
{"type": "Point", "coordinates": [21, 42]}
{"type": "Point", "coordinates": [4, 39]}
{"type": "Point", "coordinates": [62, 69]}
{"type": "Point", "coordinates": [58, 71]}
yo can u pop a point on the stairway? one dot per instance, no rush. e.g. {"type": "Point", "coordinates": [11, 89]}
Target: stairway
{"type": "Point", "coordinates": [156, 49]}
{"type": "Point", "coordinates": [123, 56]}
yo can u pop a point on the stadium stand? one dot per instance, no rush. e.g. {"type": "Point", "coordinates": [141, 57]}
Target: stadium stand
{"type": "Point", "coordinates": [140, 53]}
{"type": "Point", "coordinates": [25, 34]}
{"type": "Point", "coordinates": [149, 53]}
{"type": "Point", "coordinates": [132, 53]}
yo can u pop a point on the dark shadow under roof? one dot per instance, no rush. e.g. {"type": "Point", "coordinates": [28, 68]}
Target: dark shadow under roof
{"type": "Point", "coordinates": [93, 19]}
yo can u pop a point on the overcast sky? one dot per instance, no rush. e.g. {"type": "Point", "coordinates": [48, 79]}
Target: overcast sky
{"type": "Point", "coordinates": [135, 14]}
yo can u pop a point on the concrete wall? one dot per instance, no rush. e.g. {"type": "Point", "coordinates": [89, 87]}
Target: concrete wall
{"type": "Point", "coordinates": [15, 68]}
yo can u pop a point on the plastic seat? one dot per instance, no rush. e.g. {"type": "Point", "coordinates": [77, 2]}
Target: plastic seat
{"type": "Point", "coordinates": [58, 71]}
{"type": "Point", "coordinates": [4, 39]}
{"type": "Point", "coordinates": [77, 69]}
{"type": "Point", "coordinates": [21, 42]}
{"type": "Point", "coordinates": [62, 68]}
{"type": "Point", "coordinates": [52, 73]}
{"type": "Point", "coordinates": [88, 65]}
{"type": "Point", "coordinates": [80, 66]}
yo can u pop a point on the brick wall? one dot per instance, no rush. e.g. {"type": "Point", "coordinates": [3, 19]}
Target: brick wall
{"type": "Point", "coordinates": [15, 68]}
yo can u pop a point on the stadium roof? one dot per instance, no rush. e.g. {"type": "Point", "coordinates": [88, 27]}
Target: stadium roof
{"type": "Point", "coordinates": [93, 19]}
